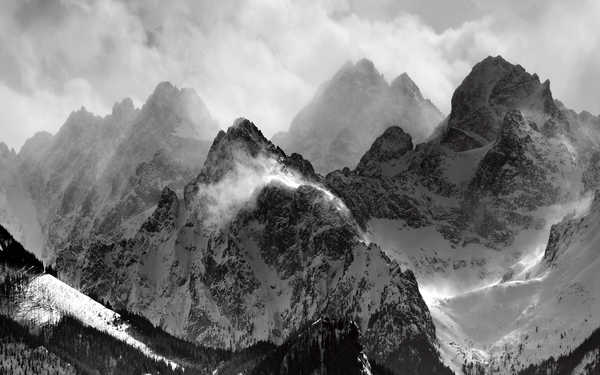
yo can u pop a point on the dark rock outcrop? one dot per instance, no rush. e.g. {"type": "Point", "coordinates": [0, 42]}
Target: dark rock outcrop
{"type": "Point", "coordinates": [480, 102]}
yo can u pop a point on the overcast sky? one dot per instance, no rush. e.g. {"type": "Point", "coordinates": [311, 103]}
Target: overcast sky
{"type": "Point", "coordinates": [264, 59]}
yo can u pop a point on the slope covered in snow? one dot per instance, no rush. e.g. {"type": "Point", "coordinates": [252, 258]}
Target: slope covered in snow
{"type": "Point", "coordinates": [46, 300]}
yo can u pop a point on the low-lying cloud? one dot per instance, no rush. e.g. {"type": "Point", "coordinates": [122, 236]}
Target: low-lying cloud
{"type": "Point", "coordinates": [265, 59]}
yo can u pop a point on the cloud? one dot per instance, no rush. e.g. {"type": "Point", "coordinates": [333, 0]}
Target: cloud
{"type": "Point", "coordinates": [264, 59]}
{"type": "Point", "coordinates": [218, 202]}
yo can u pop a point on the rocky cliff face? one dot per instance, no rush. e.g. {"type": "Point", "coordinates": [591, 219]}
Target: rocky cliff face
{"type": "Point", "coordinates": [255, 250]}
{"type": "Point", "coordinates": [100, 177]}
{"type": "Point", "coordinates": [348, 112]}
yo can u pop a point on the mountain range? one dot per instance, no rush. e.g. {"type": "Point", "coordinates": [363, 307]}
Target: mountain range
{"type": "Point", "coordinates": [375, 236]}
{"type": "Point", "coordinates": [349, 111]}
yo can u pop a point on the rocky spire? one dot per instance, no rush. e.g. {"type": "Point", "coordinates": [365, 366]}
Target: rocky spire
{"type": "Point", "coordinates": [241, 142]}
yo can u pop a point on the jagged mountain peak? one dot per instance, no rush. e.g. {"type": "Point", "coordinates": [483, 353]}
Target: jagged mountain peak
{"type": "Point", "coordinates": [406, 86]}
{"type": "Point", "coordinates": [362, 66]}
{"type": "Point", "coordinates": [79, 116]}
{"type": "Point", "coordinates": [245, 139]}
{"type": "Point", "coordinates": [180, 111]}
{"type": "Point", "coordinates": [244, 145]}
{"type": "Point", "coordinates": [494, 86]}
{"type": "Point", "coordinates": [123, 108]}
{"type": "Point", "coordinates": [168, 96]}
{"type": "Point", "coordinates": [358, 76]}
{"type": "Point", "coordinates": [349, 111]}
{"type": "Point", "coordinates": [244, 128]}
{"type": "Point", "coordinates": [242, 139]}
{"type": "Point", "coordinates": [164, 91]}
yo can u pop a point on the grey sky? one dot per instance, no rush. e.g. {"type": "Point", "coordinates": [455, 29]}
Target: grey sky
{"type": "Point", "coordinates": [264, 59]}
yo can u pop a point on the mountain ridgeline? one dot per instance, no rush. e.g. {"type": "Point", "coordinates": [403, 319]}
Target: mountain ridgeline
{"type": "Point", "coordinates": [374, 247]}
{"type": "Point", "coordinates": [349, 111]}
{"type": "Point", "coordinates": [100, 177]}
{"type": "Point", "coordinates": [283, 253]}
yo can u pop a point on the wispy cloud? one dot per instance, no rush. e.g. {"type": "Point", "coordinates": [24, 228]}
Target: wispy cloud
{"type": "Point", "coordinates": [264, 59]}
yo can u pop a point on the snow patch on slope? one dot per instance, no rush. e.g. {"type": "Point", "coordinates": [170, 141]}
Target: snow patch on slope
{"type": "Point", "coordinates": [48, 299]}
{"type": "Point", "coordinates": [488, 304]}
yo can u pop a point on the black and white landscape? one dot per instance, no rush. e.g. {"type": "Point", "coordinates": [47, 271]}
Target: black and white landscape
{"type": "Point", "coordinates": [372, 233]}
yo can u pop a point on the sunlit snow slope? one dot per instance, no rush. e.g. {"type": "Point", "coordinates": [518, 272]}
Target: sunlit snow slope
{"type": "Point", "coordinates": [47, 299]}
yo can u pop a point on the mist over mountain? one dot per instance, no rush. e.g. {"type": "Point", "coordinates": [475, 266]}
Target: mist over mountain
{"type": "Point", "coordinates": [349, 111]}
{"type": "Point", "coordinates": [360, 242]}
{"type": "Point", "coordinates": [100, 177]}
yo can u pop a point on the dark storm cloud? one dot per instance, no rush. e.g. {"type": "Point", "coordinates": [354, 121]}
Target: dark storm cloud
{"type": "Point", "coordinates": [264, 59]}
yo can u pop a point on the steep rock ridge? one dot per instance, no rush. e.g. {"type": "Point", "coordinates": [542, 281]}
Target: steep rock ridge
{"type": "Point", "coordinates": [101, 176]}
{"type": "Point", "coordinates": [349, 111]}
{"type": "Point", "coordinates": [282, 252]}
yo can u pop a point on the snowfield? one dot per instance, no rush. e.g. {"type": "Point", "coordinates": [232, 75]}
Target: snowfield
{"type": "Point", "coordinates": [508, 307]}
{"type": "Point", "coordinates": [48, 299]}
